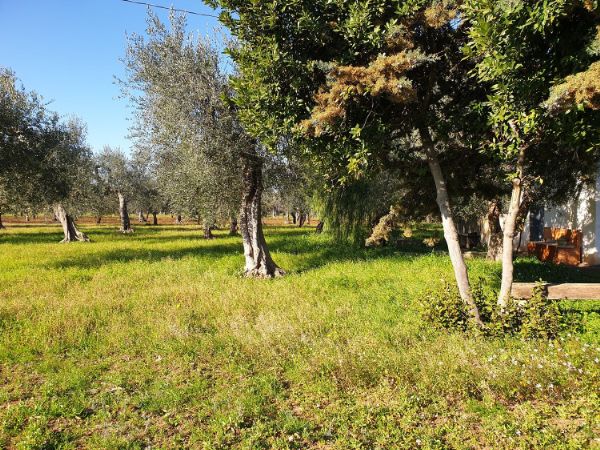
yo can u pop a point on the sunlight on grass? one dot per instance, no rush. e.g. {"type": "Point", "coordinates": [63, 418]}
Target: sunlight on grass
{"type": "Point", "coordinates": [156, 339]}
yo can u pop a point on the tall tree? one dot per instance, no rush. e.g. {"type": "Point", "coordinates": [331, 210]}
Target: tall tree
{"type": "Point", "coordinates": [44, 161]}
{"type": "Point", "coordinates": [358, 82]}
{"type": "Point", "coordinates": [541, 61]}
{"type": "Point", "coordinates": [203, 157]}
{"type": "Point", "coordinates": [117, 173]}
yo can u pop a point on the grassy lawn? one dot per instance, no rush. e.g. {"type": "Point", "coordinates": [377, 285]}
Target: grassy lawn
{"type": "Point", "coordinates": [155, 340]}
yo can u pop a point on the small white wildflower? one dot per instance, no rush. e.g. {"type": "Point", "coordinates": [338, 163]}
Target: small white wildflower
{"type": "Point", "coordinates": [418, 441]}
{"type": "Point", "coordinates": [550, 386]}
{"type": "Point", "coordinates": [538, 386]}
{"type": "Point", "coordinates": [580, 370]}
{"type": "Point", "coordinates": [518, 432]}
{"type": "Point", "coordinates": [596, 360]}
{"type": "Point", "coordinates": [540, 366]}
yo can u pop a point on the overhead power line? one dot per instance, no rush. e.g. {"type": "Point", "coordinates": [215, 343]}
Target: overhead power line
{"type": "Point", "coordinates": [171, 9]}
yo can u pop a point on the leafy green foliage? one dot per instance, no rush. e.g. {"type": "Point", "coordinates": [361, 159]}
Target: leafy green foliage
{"type": "Point", "coordinates": [541, 316]}
{"type": "Point", "coordinates": [445, 309]}
{"type": "Point", "coordinates": [43, 158]}
{"type": "Point", "coordinates": [535, 318]}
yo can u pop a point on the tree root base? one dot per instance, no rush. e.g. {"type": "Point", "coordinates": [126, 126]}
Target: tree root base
{"type": "Point", "coordinates": [261, 273]}
{"type": "Point", "coordinates": [81, 239]}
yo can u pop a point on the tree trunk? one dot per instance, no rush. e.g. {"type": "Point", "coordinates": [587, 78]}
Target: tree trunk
{"type": "Point", "coordinates": [258, 259]}
{"type": "Point", "coordinates": [301, 219]}
{"type": "Point", "coordinates": [450, 233]}
{"type": "Point", "coordinates": [1, 224]}
{"type": "Point", "coordinates": [178, 219]}
{"type": "Point", "coordinates": [154, 218]}
{"type": "Point", "coordinates": [98, 220]}
{"type": "Point", "coordinates": [319, 228]}
{"type": "Point", "coordinates": [293, 214]}
{"type": "Point", "coordinates": [125, 222]}
{"type": "Point", "coordinates": [233, 226]}
{"type": "Point", "coordinates": [208, 231]}
{"type": "Point", "coordinates": [494, 243]}
{"type": "Point", "coordinates": [70, 230]}
{"type": "Point", "coordinates": [141, 218]}
{"type": "Point", "coordinates": [508, 234]}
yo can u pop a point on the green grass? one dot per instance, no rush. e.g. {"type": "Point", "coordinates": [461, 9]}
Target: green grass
{"type": "Point", "coordinates": [155, 340]}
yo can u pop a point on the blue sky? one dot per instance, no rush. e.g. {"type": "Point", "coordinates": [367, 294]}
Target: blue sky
{"type": "Point", "coordinates": [69, 50]}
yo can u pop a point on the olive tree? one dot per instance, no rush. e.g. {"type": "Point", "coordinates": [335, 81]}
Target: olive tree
{"type": "Point", "coordinates": [115, 171]}
{"type": "Point", "coordinates": [44, 160]}
{"type": "Point", "coordinates": [204, 160]}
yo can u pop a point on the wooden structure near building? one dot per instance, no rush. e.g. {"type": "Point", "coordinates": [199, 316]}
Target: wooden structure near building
{"type": "Point", "coordinates": [559, 246]}
{"type": "Point", "coordinates": [559, 291]}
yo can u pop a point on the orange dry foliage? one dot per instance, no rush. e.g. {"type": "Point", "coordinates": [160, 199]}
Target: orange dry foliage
{"type": "Point", "coordinates": [583, 88]}
{"type": "Point", "coordinates": [384, 76]}
{"type": "Point", "coordinates": [439, 14]}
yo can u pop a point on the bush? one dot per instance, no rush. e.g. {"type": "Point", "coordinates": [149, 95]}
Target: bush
{"type": "Point", "coordinates": [537, 318]}
{"type": "Point", "coordinates": [445, 309]}
{"type": "Point", "coordinates": [542, 316]}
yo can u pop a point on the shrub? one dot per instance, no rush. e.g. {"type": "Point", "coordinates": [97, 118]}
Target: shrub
{"type": "Point", "coordinates": [445, 309]}
{"type": "Point", "coordinates": [542, 317]}
{"type": "Point", "coordinates": [537, 318]}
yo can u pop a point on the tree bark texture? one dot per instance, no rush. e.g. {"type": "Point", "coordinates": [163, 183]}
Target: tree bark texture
{"type": "Point", "coordinates": [141, 218]}
{"type": "Point", "coordinates": [70, 231]}
{"type": "Point", "coordinates": [319, 228]}
{"type": "Point", "coordinates": [208, 231]}
{"type": "Point", "coordinates": [154, 219]}
{"type": "Point", "coordinates": [125, 222]}
{"type": "Point", "coordinates": [1, 224]}
{"type": "Point", "coordinates": [233, 226]}
{"type": "Point", "coordinates": [301, 219]}
{"type": "Point", "coordinates": [258, 259]}
{"type": "Point", "coordinates": [494, 243]}
{"type": "Point", "coordinates": [450, 233]}
{"type": "Point", "coordinates": [178, 219]}
{"type": "Point", "coordinates": [510, 226]}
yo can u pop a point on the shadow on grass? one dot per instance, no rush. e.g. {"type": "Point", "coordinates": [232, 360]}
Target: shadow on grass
{"type": "Point", "coordinates": [315, 251]}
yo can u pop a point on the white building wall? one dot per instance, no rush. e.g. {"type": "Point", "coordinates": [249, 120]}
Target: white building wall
{"type": "Point", "coordinates": [581, 213]}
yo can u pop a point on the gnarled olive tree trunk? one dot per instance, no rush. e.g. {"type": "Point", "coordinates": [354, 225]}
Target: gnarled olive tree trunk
{"type": "Point", "coordinates": [178, 220]}
{"type": "Point", "coordinates": [154, 218]}
{"type": "Point", "coordinates": [319, 227]}
{"type": "Point", "coordinates": [125, 222]}
{"type": "Point", "coordinates": [301, 219]}
{"type": "Point", "coordinates": [494, 242]}
{"type": "Point", "coordinates": [208, 231]}
{"type": "Point", "coordinates": [233, 226]}
{"type": "Point", "coordinates": [141, 218]}
{"type": "Point", "coordinates": [258, 259]}
{"type": "Point", "coordinates": [450, 233]}
{"type": "Point", "coordinates": [71, 233]}
{"type": "Point", "coordinates": [1, 224]}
